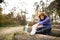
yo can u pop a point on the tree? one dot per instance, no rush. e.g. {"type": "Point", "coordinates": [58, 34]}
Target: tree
{"type": "Point", "coordinates": [58, 6]}
{"type": "Point", "coordinates": [36, 7]}
{"type": "Point", "coordinates": [55, 5]}
{"type": "Point", "coordinates": [42, 4]}
{"type": "Point", "coordinates": [1, 1]}
{"type": "Point", "coordinates": [0, 10]}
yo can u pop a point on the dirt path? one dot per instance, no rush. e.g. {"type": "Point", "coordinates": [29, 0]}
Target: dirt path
{"type": "Point", "coordinates": [8, 30]}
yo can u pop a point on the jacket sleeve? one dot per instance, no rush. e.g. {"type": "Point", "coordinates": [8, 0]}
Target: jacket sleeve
{"type": "Point", "coordinates": [41, 22]}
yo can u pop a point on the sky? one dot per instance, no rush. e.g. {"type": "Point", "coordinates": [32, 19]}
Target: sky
{"type": "Point", "coordinates": [11, 5]}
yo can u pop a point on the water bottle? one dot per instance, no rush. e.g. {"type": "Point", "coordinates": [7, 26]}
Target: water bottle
{"type": "Point", "coordinates": [26, 28]}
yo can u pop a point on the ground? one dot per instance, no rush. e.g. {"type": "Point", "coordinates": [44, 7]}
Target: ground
{"type": "Point", "coordinates": [6, 33]}
{"type": "Point", "coordinates": [16, 33]}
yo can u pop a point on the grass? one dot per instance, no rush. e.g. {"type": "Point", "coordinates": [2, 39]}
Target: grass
{"type": "Point", "coordinates": [6, 37]}
{"type": "Point", "coordinates": [10, 36]}
{"type": "Point", "coordinates": [12, 25]}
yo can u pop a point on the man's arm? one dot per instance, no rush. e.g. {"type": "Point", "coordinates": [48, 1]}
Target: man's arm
{"type": "Point", "coordinates": [41, 22]}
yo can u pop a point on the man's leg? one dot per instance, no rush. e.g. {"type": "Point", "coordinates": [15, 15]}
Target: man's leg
{"type": "Point", "coordinates": [34, 27]}
{"type": "Point", "coordinates": [43, 30]}
{"type": "Point", "coordinates": [39, 30]}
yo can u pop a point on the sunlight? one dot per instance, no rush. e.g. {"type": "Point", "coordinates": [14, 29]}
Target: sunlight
{"type": "Point", "coordinates": [17, 5]}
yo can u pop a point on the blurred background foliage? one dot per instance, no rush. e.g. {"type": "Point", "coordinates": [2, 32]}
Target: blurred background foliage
{"type": "Point", "coordinates": [7, 19]}
{"type": "Point", "coordinates": [53, 8]}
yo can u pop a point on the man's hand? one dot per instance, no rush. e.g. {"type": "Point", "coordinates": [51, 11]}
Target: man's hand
{"type": "Point", "coordinates": [38, 25]}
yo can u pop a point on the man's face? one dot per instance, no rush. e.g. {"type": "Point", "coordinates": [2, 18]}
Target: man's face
{"type": "Point", "coordinates": [42, 17]}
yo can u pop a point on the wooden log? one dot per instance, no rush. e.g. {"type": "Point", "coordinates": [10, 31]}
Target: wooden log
{"type": "Point", "coordinates": [55, 32]}
{"type": "Point", "coordinates": [34, 37]}
{"type": "Point", "coordinates": [56, 26]}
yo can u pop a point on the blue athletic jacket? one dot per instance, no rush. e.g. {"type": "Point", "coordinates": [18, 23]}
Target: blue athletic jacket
{"type": "Point", "coordinates": [45, 22]}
